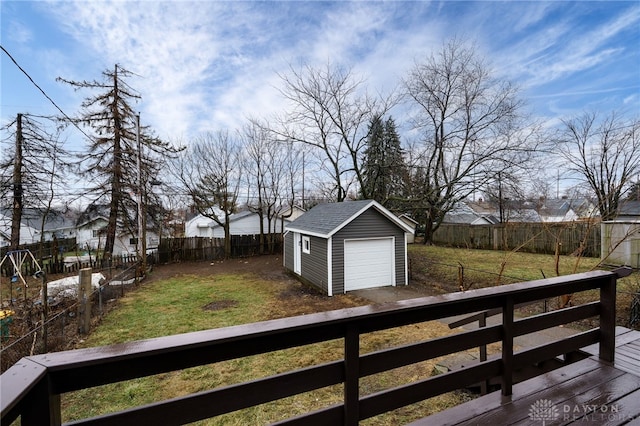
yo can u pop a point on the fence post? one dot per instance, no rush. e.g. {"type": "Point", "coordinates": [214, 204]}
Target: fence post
{"type": "Point", "coordinates": [460, 276]}
{"type": "Point", "coordinates": [84, 303]}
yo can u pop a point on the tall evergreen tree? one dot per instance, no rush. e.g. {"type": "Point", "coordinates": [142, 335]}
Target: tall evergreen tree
{"type": "Point", "coordinates": [384, 169]}
{"type": "Point", "coordinates": [110, 162]}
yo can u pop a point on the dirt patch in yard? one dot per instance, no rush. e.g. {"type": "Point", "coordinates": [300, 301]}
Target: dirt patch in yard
{"type": "Point", "coordinates": [218, 305]}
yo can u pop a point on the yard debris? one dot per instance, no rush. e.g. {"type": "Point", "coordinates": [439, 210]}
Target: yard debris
{"type": "Point", "coordinates": [67, 288]}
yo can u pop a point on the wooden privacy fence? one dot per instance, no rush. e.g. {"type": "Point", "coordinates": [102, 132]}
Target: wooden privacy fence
{"type": "Point", "coordinates": [31, 389]}
{"type": "Point", "coordinates": [569, 238]}
{"type": "Point", "coordinates": [51, 266]}
{"type": "Point", "coordinates": [204, 248]}
{"type": "Point", "coordinates": [47, 249]}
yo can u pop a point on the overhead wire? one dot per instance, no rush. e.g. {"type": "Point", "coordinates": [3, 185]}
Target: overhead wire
{"type": "Point", "coordinates": [44, 93]}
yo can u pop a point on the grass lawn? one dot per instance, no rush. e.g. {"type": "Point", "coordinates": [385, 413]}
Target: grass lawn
{"type": "Point", "coordinates": [438, 268]}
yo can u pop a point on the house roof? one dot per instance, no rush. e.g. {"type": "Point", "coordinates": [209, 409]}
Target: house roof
{"type": "Point", "coordinates": [234, 217]}
{"type": "Point", "coordinates": [408, 219]}
{"type": "Point", "coordinates": [324, 220]}
{"type": "Point", "coordinates": [33, 217]}
{"type": "Point", "coordinates": [629, 208]}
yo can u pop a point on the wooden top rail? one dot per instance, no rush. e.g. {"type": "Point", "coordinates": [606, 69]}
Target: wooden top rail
{"type": "Point", "coordinates": [31, 388]}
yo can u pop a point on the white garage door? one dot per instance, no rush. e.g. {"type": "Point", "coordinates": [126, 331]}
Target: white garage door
{"type": "Point", "coordinates": [368, 263]}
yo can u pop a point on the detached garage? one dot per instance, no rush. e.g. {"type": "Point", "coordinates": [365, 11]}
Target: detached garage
{"type": "Point", "coordinates": [347, 246]}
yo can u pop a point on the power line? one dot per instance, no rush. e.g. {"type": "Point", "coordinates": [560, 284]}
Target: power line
{"type": "Point", "coordinates": [44, 93]}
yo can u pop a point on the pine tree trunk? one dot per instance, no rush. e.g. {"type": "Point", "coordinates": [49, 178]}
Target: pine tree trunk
{"type": "Point", "coordinates": [16, 216]}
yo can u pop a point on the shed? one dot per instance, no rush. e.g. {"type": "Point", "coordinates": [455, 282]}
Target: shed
{"type": "Point", "coordinates": [621, 237]}
{"type": "Point", "coordinates": [411, 223]}
{"type": "Point", "coordinates": [348, 246]}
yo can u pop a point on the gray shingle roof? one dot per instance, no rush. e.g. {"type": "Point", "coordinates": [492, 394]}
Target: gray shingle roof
{"type": "Point", "coordinates": [326, 219]}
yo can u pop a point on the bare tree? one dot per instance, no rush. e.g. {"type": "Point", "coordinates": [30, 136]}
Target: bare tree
{"type": "Point", "coordinates": [33, 168]}
{"type": "Point", "coordinates": [272, 171]}
{"type": "Point", "coordinates": [113, 154]}
{"type": "Point", "coordinates": [605, 152]}
{"type": "Point", "coordinates": [210, 172]}
{"type": "Point", "coordinates": [330, 111]}
{"type": "Point", "coordinates": [472, 127]}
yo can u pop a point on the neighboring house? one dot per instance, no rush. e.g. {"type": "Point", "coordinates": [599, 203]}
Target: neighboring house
{"type": "Point", "coordinates": [412, 223]}
{"type": "Point", "coordinates": [127, 242]}
{"type": "Point", "coordinates": [242, 223]}
{"type": "Point", "coordinates": [91, 234]}
{"type": "Point", "coordinates": [463, 214]}
{"type": "Point", "coordinates": [56, 223]}
{"type": "Point", "coordinates": [293, 213]}
{"type": "Point", "coordinates": [553, 211]}
{"type": "Point", "coordinates": [566, 210]}
{"type": "Point", "coordinates": [621, 237]}
{"type": "Point", "coordinates": [347, 246]}
{"type": "Point", "coordinates": [28, 234]}
{"type": "Point", "coordinates": [512, 211]}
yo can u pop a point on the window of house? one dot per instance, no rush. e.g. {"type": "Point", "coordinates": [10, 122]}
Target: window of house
{"type": "Point", "coordinates": [133, 241]}
{"type": "Point", "coordinates": [306, 245]}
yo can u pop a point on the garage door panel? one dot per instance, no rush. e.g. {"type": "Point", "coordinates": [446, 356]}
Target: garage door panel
{"type": "Point", "coordinates": [368, 263]}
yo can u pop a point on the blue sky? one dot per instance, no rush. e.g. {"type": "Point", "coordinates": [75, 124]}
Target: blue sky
{"type": "Point", "coordinates": [208, 65]}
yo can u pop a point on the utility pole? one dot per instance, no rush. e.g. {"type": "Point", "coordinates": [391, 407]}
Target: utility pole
{"type": "Point", "coordinates": [142, 235]}
{"type": "Point", "coordinates": [16, 213]}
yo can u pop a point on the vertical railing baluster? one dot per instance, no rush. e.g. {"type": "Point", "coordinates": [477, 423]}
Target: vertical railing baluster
{"type": "Point", "coordinates": [507, 346]}
{"type": "Point", "coordinates": [352, 375]}
{"type": "Point", "coordinates": [482, 322]}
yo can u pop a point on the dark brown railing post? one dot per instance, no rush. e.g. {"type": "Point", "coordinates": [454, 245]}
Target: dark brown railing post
{"type": "Point", "coordinates": [352, 375]}
{"type": "Point", "coordinates": [507, 346]}
{"type": "Point", "coordinates": [608, 319]}
{"type": "Point", "coordinates": [42, 406]}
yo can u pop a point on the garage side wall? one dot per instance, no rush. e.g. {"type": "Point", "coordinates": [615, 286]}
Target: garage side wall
{"type": "Point", "coordinates": [370, 224]}
{"type": "Point", "coordinates": [314, 265]}
{"type": "Point", "coordinates": [288, 251]}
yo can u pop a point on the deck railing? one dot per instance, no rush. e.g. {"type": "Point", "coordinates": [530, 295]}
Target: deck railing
{"type": "Point", "coordinates": [31, 389]}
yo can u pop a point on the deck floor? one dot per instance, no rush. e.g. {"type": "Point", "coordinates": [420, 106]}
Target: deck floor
{"type": "Point", "coordinates": [585, 392]}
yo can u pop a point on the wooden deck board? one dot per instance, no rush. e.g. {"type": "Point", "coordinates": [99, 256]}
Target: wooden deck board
{"type": "Point", "coordinates": [495, 400]}
{"type": "Point", "coordinates": [517, 412]}
{"type": "Point", "coordinates": [589, 391]}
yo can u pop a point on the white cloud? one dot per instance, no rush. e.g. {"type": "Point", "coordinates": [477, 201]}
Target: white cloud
{"type": "Point", "coordinates": [208, 65]}
{"type": "Point", "coordinates": [19, 32]}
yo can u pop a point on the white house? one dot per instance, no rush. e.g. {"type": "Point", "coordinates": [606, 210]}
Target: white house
{"type": "Point", "coordinates": [127, 242]}
{"type": "Point", "coordinates": [463, 213]}
{"type": "Point", "coordinates": [242, 223]}
{"type": "Point", "coordinates": [91, 233]}
{"type": "Point", "coordinates": [28, 234]}
{"type": "Point", "coordinates": [566, 210]}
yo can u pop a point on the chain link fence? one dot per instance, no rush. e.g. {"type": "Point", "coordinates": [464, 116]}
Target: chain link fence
{"type": "Point", "coordinates": [34, 328]}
